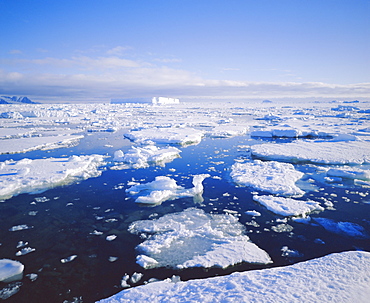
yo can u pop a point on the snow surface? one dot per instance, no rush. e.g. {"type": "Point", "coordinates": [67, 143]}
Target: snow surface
{"type": "Point", "coordinates": [173, 135]}
{"type": "Point", "coordinates": [339, 277]}
{"type": "Point", "coordinates": [10, 270]}
{"type": "Point", "coordinates": [288, 206]}
{"type": "Point", "coordinates": [27, 176]}
{"type": "Point", "coordinates": [142, 157]}
{"type": "Point", "coordinates": [271, 176]}
{"type": "Point", "coordinates": [192, 238]}
{"type": "Point", "coordinates": [354, 152]}
{"type": "Point", "coordinates": [165, 188]}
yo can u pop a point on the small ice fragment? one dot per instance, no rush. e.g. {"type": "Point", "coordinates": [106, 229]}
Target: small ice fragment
{"type": "Point", "coordinates": [20, 227]}
{"type": "Point", "coordinates": [32, 277]}
{"type": "Point", "coordinates": [146, 262]}
{"type": "Point", "coordinates": [111, 237]}
{"type": "Point", "coordinates": [286, 252]}
{"type": "Point", "coordinates": [112, 259]}
{"type": "Point", "coordinates": [124, 283]}
{"type": "Point", "coordinates": [21, 244]}
{"type": "Point", "coordinates": [69, 259]}
{"type": "Point", "coordinates": [42, 199]}
{"type": "Point", "coordinates": [24, 251]}
{"type": "Point", "coordinates": [96, 233]}
{"type": "Point", "coordinates": [136, 277]}
{"type": "Point", "coordinates": [32, 213]}
{"type": "Point", "coordinates": [10, 290]}
{"type": "Point", "coordinates": [282, 228]}
{"type": "Point", "coordinates": [253, 213]}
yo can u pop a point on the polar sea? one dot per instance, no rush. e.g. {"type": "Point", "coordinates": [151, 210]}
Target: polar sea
{"type": "Point", "coordinates": [100, 200]}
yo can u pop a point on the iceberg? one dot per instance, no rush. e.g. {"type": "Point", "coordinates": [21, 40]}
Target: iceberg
{"type": "Point", "coordinates": [142, 157]}
{"type": "Point", "coordinates": [288, 206]}
{"type": "Point", "coordinates": [28, 176]}
{"type": "Point", "coordinates": [10, 270]}
{"type": "Point", "coordinates": [271, 176]}
{"type": "Point", "coordinates": [164, 188]}
{"type": "Point", "coordinates": [354, 152]}
{"type": "Point", "coordinates": [192, 238]}
{"type": "Point", "coordinates": [338, 277]}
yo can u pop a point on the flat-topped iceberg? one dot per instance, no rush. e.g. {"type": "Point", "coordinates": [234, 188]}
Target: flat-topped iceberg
{"type": "Point", "coordinates": [354, 152]}
{"type": "Point", "coordinates": [270, 176]}
{"type": "Point", "coordinates": [27, 176]}
{"type": "Point", "coordinates": [141, 157]}
{"type": "Point", "coordinates": [164, 188]}
{"type": "Point", "coordinates": [171, 135]}
{"type": "Point", "coordinates": [192, 238]}
{"type": "Point", "coordinates": [288, 206]}
{"type": "Point", "coordinates": [339, 277]}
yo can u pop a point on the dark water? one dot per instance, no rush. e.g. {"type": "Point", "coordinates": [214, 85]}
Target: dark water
{"type": "Point", "coordinates": [62, 225]}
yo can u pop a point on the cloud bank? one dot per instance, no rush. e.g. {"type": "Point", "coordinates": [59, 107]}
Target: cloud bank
{"type": "Point", "coordinates": [84, 78]}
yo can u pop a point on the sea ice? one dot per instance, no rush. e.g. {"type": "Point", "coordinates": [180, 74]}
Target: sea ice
{"type": "Point", "coordinates": [339, 277]}
{"type": "Point", "coordinates": [10, 270]}
{"type": "Point", "coordinates": [20, 145]}
{"type": "Point", "coordinates": [141, 157]}
{"type": "Point", "coordinates": [287, 206]}
{"type": "Point", "coordinates": [172, 135]}
{"type": "Point", "coordinates": [164, 188]}
{"type": "Point", "coordinates": [271, 176]}
{"type": "Point", "coordinates": [349, 173]}
{"type": "Point", "coordinates": [344, 228]}
{"type": "Point", "coordinates": [192, 238]}
{"type": "Point", "coordinates": [27, 176]}
{"type": "Point", "coordinates": [354, 152]}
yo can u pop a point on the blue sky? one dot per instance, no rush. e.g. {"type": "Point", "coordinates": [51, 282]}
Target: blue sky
{"type": "Point", "coordinates": [97, 50]}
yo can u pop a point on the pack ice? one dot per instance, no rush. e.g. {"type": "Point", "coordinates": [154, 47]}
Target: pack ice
{"type": "Point", "coordinates": [27, 176]}
{"type": "Point", "coordinates": [270, 176]}
{"type": "Point", "coordinates": [192, 238]}
{"type": "Point", "coordinates": [338, 277]}
{"type": "Point", "coordinates": [165, 188]}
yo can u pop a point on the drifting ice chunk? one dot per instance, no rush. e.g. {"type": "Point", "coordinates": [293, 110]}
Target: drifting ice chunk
{"type": "Point", "coordinates": [27, 176]}
{"type": "Point", "coordinates": [273, 177]}
{"type": "Point", "coordinates": [10, 270]}
{"type": "Point", "coordinates": [173, 135]}
{"type": "Point", "coordinates": [24, 251]}
{"type": "Point", "coordinates": [164, 188]}
{"type": "Point", "coordinates": [345, 228]}
{"type": "Point", "coordinates": [69, 259]}
{"type": "Point", "coordinates": [287, 206]}
{"type": "Point", "coordinates": [356, 152]}
{"type": "Point", "coordinates": [141, 157]}
{"type": "Point", "coordinates": [193, 238]}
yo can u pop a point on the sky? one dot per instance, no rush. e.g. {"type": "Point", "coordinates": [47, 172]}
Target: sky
{"type": "Point", "coordinates": [95, 50]}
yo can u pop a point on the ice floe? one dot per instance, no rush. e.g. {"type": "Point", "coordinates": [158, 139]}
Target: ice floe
{"type": "Point", "coordinates": [192, 238]}
{"type": "Point", "coordinates": [339, 277]}
{"type": "Point", "coordinates": [271, 176]}
{"type": "Point", "coordinates": [344, 228]}
{"type": "Point", "coordinates": [354, 152]}
{"type": "Point", "coordinates": [141, 157]}
{"type": "Point", "coordinates": [172, 135]}
{"type": "Point", "coordinates": [20, 145]}
{"type": "Point", "coordinates": [28, 176]}
{"type": "Point", "coordinates": [288, 206]}
{"type": "Point", "coordinates": [165, 188]}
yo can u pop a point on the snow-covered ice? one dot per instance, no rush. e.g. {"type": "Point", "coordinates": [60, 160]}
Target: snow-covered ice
{"type": "Point", "coordinates": [288, 206]}
{"type": "Point", "coordinates": [10, 270]}
{"type": "Point", "coordinates": [339, 277]}
{"type": "Point", "coordinates": [354, 152]}
{"type": "Point", "coordinates": [142, 157]}
{"type": "Point", "coordinates": [172, 135]}
{"type": "Point", "coordinates": [192, 238]}
{"type": "Point", "coordinates": [271, 176]}
{"type": "Point", "coordinates": [165, 188]}
{"type": "Point", "coordinates": [28, 176]}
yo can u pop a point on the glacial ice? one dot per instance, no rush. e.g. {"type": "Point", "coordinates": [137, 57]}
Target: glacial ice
{"type": "Point", "coordinates": [338, 277]}
{"type": "Point", "coordinates": [192, 238]}
{"type": "Point", "coordinates": [164, 188]}
{"type": "Point", "coordinates": [271, 176]}
{"type": "Point", "coordinates": [27, 176]}
{"type": "Point", "coordinates": [10, 270]}
{"type": "Point", "coordinates": [288, 206]}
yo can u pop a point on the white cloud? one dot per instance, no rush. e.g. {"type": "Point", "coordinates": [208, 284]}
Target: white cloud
{"type": "Point", "coordinates": [118, 50]}
{"type": "Point", "coordinates": [15, 52]}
